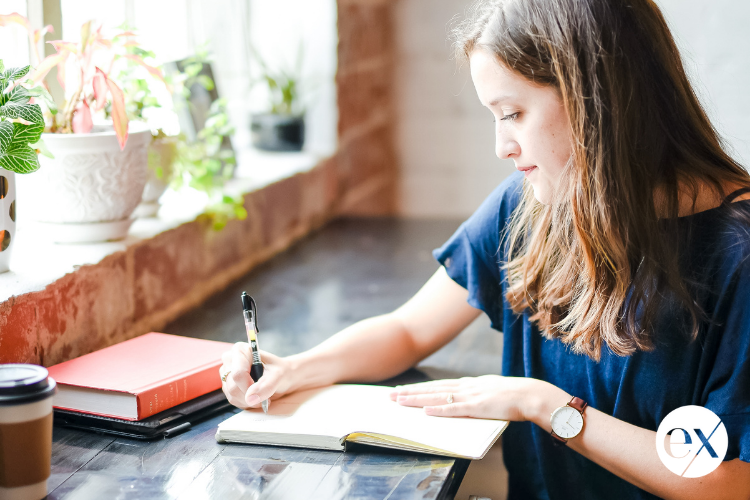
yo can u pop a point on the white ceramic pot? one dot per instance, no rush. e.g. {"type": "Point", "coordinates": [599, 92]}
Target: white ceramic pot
{"type": "Point", "coordinates": [162, 153]}
{"type": "Point", "coordinates": [88, 192]}
{"type": "Point", "coordinates": [7, 216]}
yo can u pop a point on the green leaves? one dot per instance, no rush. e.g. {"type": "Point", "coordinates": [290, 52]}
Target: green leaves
{"type": "Point", "coordinates": [206, 166]}
{"type": "Point", "coordinates": [28, 134]}
{"type": "Point", "coordinates": [283, 85]}
{"type": "Point", "coordinates": [19, 95]}
{"type": "Point", "coordinates": [21, 123]}
{"type": "Point", "coordinates": [45, 96]}
{"type": "Point", "coordinates": [6, 135]}
{"type": "Point", "coordinates": [12, 74]}
{"type": "Point", "coordinates": [15, 153]}
{"type": "Point", "coordinates": [22, 160]}
{"type": "Point", "coordinates": [5, 79]}
{"type": "Point", "coordinates": [220, 212]}
{"type": "Point", "coordinates": [31, 113]}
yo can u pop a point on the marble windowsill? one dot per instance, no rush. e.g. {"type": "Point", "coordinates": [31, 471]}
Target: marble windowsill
{"type": "Point", "coordinates": [36, 262]}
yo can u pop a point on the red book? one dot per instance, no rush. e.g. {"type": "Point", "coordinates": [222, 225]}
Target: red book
{"type": "Point", "coordinates": [137, 378]}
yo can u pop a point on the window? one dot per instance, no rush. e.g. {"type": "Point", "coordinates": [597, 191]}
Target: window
{"type": "Point", "coordinates": [14, 42]}
{"type": "Point", "coordinates": [174, 29]}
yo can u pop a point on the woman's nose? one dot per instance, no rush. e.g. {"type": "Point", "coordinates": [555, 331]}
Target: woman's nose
{"type": "Point", "coordinates": [506, 148]}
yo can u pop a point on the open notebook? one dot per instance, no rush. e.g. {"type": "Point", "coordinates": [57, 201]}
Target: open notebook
{"type": "Point", "coordinates": [328, 417]}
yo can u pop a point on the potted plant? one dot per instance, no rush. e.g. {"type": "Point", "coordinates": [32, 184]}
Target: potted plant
{"type": "Point", "coordinates": [89, 190]}
{"type": "Point", "coordinates": [204, 165]}
{"type": "Point", "coordinates": [282, 127]}
{"type": "Point", "coordinates": [205, 159]}
{"type": "Point", "coordinates": [162, 153]}
{"type": "Point", "coordinates": [21, 126]}
{"type": "Point", "coordinates": [202, 160]}
{"type": "Point", "coordinates": [143, 104]}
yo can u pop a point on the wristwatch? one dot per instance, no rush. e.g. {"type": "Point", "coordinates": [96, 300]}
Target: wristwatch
{"type": "Point", "coordinates": [567, 421]}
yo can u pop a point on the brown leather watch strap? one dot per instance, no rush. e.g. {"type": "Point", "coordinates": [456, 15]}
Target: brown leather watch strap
{"type": "Point", "coordinates": [578, 403]}
{"type": "Point", "coordinates": [558, 440]}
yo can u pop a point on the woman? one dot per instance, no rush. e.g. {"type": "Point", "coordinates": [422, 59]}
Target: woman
{"type": "Point", "coordinates": [617, 264]}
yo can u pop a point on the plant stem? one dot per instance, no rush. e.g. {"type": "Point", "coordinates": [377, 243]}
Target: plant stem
{"type": "Point", "coordinates": [67, 124]}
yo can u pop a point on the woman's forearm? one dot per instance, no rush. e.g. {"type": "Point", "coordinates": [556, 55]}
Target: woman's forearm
{"type": "Point", "coordinates": [370, 350]}
{"type": "Point", "coordinates": [629, 452]}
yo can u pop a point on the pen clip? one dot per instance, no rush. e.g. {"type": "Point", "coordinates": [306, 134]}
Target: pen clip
{"type": "Point", "coordinates": [248, 304]}
{"type": "Point", "coordinates": [255, 316]}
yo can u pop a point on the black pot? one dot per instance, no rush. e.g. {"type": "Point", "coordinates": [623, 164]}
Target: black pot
{"type": "Point", "coordinates": [278, 132]}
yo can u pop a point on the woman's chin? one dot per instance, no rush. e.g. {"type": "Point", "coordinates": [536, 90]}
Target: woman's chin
{"type": "Point", "coordinates": [541, 193]}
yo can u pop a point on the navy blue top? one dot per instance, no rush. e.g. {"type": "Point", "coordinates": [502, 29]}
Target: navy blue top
{"type": "Point", "coordinates": [641, 389]}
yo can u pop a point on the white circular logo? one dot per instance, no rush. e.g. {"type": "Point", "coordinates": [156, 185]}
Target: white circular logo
{"type": "Point", "coordinates": [691, 441]}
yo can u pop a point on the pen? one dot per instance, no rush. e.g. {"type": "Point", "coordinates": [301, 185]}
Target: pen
{"type": "Point", "coordinates": [250, 313]}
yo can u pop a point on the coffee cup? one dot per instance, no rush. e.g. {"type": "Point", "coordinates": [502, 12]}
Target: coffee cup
{"type": "Point", "coordinates": [25, 431]}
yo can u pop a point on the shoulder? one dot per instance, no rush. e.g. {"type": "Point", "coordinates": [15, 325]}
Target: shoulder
{"type": "Point", "coordinates": [723, 238]}
{"type": "Point", "coordinates": [736, 230]}
{"type": "Point", "coordinates": [715, 258]}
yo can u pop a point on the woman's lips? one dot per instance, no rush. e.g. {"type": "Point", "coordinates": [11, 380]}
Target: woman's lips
{"type": "Point", "coordinates": [526, 170]}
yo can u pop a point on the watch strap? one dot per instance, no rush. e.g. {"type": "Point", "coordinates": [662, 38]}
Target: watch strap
{"type": "Point", "coordinates": [578, 403]}
{"type": "Point", "coordinates": [558, 441]}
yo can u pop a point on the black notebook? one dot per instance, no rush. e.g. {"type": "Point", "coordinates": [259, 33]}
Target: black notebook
{"type": "Point", "coordinates": [165, 424]}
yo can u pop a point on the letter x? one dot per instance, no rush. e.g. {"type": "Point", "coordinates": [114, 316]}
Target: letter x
{"type": "Point", "coordinates": [705, 439]}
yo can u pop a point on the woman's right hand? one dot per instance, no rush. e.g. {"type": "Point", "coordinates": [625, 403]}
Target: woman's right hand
{"type": "Point", "coordinates": [239, 387]}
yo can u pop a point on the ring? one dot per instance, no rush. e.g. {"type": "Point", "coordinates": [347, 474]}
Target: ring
{"type": "Point", "coordinates": [450, 398]}
{"type": "Point", "coordinates": [224, 377]}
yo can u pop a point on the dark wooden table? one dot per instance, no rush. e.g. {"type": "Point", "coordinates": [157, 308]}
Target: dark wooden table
{"type": "Point", "coordinates": [348, 271]}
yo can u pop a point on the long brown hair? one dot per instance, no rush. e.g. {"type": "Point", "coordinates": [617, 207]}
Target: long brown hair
{"type": "Point", "coordinates": [640, 138]}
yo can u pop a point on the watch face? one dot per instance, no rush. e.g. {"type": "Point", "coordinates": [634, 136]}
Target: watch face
{"type": "Point", "coordinates": [567, 422]}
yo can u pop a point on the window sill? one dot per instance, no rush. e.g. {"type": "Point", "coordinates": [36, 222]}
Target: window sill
{"type": "Point", "coordinates": [37, 262]}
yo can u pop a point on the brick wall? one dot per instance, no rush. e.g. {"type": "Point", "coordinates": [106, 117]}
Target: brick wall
{"type": "Point", "coordinates": [156, 280]}
{"type": "Point", "coordinates": [366, 158]}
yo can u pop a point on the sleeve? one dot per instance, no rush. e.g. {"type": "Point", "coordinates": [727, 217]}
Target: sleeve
{"type": "Point", "coordinates": [472, 256]}
{"type": "Point", "coordinates": [728, 388]}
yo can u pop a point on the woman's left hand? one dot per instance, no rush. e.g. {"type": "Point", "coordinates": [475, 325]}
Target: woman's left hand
{"type": "Point", "coordinates": [488, 396]}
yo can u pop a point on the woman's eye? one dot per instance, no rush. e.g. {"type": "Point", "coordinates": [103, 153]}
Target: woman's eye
{"type": "Point", "coordinates": [510, 117]}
